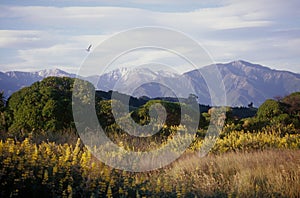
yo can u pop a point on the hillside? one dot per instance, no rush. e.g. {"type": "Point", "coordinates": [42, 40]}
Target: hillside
{"type": "Point", "coordinates": [12, 81]}
{"type": "Point", "coordinates": [244, 82]}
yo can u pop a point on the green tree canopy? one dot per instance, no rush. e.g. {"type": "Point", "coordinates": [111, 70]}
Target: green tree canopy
{"type": "Point", "coordinates": [45, 105]}
{"type": "Point", "coordinates": [269, 109]}
{"type": "Point", "coordinates": [292, 102]}
{"type": "Point", "coordinates": [2, 101]}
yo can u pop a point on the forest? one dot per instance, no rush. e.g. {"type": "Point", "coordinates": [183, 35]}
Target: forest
{"type": "Point", "coordinates": [256, 151]}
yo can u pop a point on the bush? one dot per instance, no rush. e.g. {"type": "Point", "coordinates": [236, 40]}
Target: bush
{"type": "Point", "coordinates": [56, 170]}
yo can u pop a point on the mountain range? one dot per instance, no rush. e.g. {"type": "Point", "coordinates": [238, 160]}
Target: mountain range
{"type": "Point", "coordinates": [12, 81]}
{"type": "Point", "coordinates": [244, 82]}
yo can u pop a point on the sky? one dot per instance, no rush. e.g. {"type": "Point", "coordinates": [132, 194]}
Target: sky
{"type": "Point", "coordinates": [37, 35]}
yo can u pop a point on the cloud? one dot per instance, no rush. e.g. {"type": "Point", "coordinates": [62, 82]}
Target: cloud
{"type": "Point", "coordinates": [155, 5]}
{"type": "Point", "coordinates": [74, 20]}
{"type": "Point", "coordinates": [25, 39]}
{"type": "Point", "coordinates": [111, 19]}
{"type": "Point", "coordinates": [159, 58]}
{"type": "Point", "coordinates": [261, 31]}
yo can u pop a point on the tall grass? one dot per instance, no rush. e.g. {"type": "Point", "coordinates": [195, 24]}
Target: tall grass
{"type": "Point", "coordinates": [64, 170]}
{"type": "Point", "coordinates": [269, 173]}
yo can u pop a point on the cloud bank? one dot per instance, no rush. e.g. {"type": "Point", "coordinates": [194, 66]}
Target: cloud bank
{"type": "Point", "coordinates": [38, 36]}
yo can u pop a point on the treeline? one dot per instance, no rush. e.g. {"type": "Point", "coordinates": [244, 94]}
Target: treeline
{"type": "Point", "coordinates": [44, 106]}
{"type": "Point", "coordinates": [45, 109]}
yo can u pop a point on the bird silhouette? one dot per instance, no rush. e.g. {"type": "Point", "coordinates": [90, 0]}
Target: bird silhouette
{"type": "Point", "coordinates": [89, 48]}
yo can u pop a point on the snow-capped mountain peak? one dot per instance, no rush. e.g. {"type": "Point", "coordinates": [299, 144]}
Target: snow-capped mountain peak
{"type": "Point", "coordinates": [244, 82]}
{"type": "Point", "coordinates": [52, 72]}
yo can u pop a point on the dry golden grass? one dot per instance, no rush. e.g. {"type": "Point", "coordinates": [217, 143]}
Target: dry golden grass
{"type": "Point", "coordinates": [269, 173]}
{"type": "Point", "coordinates": [54, 170]}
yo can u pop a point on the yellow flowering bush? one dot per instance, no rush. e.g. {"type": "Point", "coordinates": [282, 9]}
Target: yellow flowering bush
{"type": "Point", "coordinates": [49, 169]}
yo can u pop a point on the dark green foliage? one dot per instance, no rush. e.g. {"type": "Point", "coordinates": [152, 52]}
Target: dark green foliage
{"type": "Point", "coordinates": [270, 112]}
{"type": "Point", "coordinates": [133, 101]}
{"type": "Point", "coordinates": [292, 103]}
{"type": "Point", "coordinates": [173, 111]}
{"type": "Point", "coordinates": [204, 120]}
{"type": "Point", "coordinates": [292, 107]}
{"type": "Point", "coordinates": [104, 111]}
{"type": "Point", "coordinates": [2, 101]}
{"type": "Point", "coordinates": [283, 112]}
{"type": "Point", "coordinates": [253, 124]}
{"type": "Point", "coordinates": [243, 112]}
{"type": "Point", "coordinates": [3, 113]}
{"type": "Point", "coordinates": [269, 109]}
{"type": "Point", "coordinates": [44, 106]}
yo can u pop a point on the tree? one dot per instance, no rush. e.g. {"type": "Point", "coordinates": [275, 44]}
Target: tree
{"type": "Point", "coordinates": [3, 125]}
{"type": "Point", "coordinates": [104, 111]}
{"type": "Point", "coordinates": [292, 102]}
{"type": "Point", "coordinates": [280, 113]}
{"type": "Point", "coordinates": [269, 109]}
{"type": "Point", "coordinates": [45, 105]}
{"type": "Point", "coordinates": [292, 106]}
{"type": "Point", "coordinates": [2, 101]}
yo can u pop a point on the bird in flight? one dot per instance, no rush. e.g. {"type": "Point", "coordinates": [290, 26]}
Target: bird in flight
{"type": "Point", "coordinates": [89, 48]}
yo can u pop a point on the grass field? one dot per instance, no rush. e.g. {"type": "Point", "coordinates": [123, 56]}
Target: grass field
{"type": "Point", "coordinates": [64, 170]}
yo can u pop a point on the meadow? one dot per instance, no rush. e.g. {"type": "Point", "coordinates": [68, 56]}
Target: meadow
{"type": "Point", "coordinates": [240, 165]}
{"type": "Point", "coordinates": [255, 152]}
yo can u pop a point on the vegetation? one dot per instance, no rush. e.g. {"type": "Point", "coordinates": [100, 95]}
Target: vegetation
{"type": "Point", "coordinates": [2, 112]}
{"type": "Point", "coordinates": [55, 170]}
{"type": "Point", "coordinates": [44, 106]}
{"type": "Point", "coordinates": [256, 153]}
{"type": "Point", "coordinates": [284, 112]}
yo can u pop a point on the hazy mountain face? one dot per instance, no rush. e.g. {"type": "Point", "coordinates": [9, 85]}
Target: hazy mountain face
{"type": "Point", "coordinates": [14, 80]}
{"type": "Point", "coordinates": [244, 82]}
{"type": "Point", "coordinates": [140, 82]}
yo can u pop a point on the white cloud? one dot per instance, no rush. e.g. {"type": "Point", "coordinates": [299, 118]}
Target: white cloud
{"type": "Point", "coordinates": [110, 19]}
{"type": "Point", "coordinates": [260, 31]}
{"type": "Point", "coordinates": [159, 58]}
{"type": "Point", "coordinates": [54, 56]}
{"type": "Point", "coordinates": [27, 39]}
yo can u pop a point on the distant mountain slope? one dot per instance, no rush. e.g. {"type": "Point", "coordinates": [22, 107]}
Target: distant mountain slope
{"type": "Point", "coordinates": [14, 80]}
{"type": "Point", "coordinates": [244, 82]}
{"type": "Point", "coordinates": [138, 82]}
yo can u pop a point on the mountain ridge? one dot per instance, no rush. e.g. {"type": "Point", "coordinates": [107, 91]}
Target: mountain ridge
{"type": "Point", "coordinates": [12, 81]}
{"type": "Point", "coordinates": [245, 82]}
